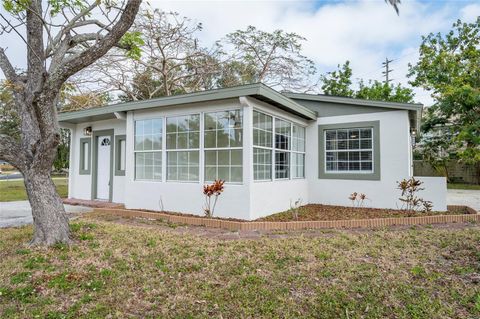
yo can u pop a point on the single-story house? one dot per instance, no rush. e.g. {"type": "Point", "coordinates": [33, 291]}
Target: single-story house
{"type": "Point", "coordinates": [272, 149]}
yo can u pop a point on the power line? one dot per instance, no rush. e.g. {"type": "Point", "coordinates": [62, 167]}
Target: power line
{"type": "Point", "coordinates": [387, 71]}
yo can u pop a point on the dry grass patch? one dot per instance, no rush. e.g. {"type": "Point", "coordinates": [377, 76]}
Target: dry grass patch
{"type": "Point", "coordinates": [121, 271]}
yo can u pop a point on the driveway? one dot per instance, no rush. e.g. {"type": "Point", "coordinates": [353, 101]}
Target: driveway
{"type": "Point", "coordinates": [464, 197]}
{"type": "Point", "coordinates": [19, 213]}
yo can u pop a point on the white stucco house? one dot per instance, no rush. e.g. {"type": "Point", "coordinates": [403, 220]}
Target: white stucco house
{"type": "Point", "coordinates": [271, 148]}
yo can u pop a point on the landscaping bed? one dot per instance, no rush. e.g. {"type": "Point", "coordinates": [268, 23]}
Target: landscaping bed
{"type": "Point", "coordinates": [312, 212]}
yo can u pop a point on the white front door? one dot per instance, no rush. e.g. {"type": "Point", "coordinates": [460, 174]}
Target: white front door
{"type": "Point", "coordinates": [103, 167]}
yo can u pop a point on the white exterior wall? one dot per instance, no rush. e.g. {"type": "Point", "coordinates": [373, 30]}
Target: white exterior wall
{"type": "Point", "coordinates": [268, 197]}
{"type": "Point", "coordinates": [435, 190]}
{"type": "Point", "coordinates": [395, 164]}
{"type": "Point", "coordinates": [186, 197]}
{"type": "Point", "coordinates": [80, 186]}
{"type": "Point", "coordinates": [250, 199]}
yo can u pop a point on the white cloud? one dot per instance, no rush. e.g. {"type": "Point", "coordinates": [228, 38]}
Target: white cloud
{"type": "Point", "coordinates": [470, 12]}
{"type": "Point", "coordinates": [364, 32]}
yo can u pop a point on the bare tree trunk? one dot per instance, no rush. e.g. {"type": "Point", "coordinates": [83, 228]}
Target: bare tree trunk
{"type": "Point", "coordinates": [49, 217]}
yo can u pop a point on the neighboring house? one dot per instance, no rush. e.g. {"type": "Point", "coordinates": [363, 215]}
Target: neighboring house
{"type": "Point", "coordinates": [271, 149]}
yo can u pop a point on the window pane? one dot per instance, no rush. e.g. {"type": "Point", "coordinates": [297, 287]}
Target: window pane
{"type": "Point", "coordinates": [122, 154]}
{"type": "Point", "coordinates": [337, 141]}
{"type": "Point", "coordinates": [262, 128]}
{"type": "Point", "coordinates": [298, 165]}
{"type": "Point", "coordinates": [282, 168]}
{"type": "Point", "coordinates": [148, 135]}
{"type": "Point", "coordinates": [282, 134]}
{"type": "Point", "coordinates": [262, 164]}
{"type": "Point", "coordinates": [86, 156]}
{"type": "Point", "coordinates": [224, 164]}
{"type": "Point", "coordinates": [148, 166]}
{"type": "Point", "coordinates": [298, 138]}
{"type": "Point", "coordinates": [182, 165]}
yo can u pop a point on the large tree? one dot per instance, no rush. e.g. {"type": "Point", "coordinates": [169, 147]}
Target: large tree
{"type": "Point", "coordinates": [449, 68]}
{"type": "Point", "coordinates": [61, 38]}
{"type": "Point", "coordinates": [172, 61]}
{"type": "Point", "coordinates": [274, 58]}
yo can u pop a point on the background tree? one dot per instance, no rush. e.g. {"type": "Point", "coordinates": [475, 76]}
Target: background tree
{"type": "Point", "coordinates": [449, 67]}
{"type": "Point", "coordinates": [273, 58]}
{"type": "Point", "coordinates": [61, 39]}
{"type": "Point", "coordinates": [9, 120]}
{"type": "Point", "coordinates": [338, 82]}
{"type": "Point", "coordinates": [171, 60]}
{"type": "Point", "coordinates": [380, 91]}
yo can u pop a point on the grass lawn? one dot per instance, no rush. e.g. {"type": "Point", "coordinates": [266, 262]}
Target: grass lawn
{"type": "Point", "coordinates": [463, 186]}
{"type": "Point", "coordinates": [120, 270]}
{"type": "Point", "coordinates": [15, 190]}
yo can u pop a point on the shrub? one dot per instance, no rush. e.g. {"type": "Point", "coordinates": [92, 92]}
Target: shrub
{"type": "Point", "coordinates": [213, 190]}
{"type": "Point", "coordinates": [411, 202]}
{"type": "Point", "coordinates": [358, 199]}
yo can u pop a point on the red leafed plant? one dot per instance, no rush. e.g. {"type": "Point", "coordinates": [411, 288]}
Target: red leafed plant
{"type": "Point", "coordinates": [213, 190]}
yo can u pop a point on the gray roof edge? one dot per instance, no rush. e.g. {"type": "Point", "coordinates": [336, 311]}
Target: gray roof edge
{"type": "Point", "coordinates": [203, 96]}
{"type": "Point", "coordinates": [348, 100]}
{"type": "Point", "coordinates": [286, 101]}
{"type": "Point", "coordinates": [164, 101]}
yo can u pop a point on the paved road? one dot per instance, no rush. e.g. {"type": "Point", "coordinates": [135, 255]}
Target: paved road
{"type": "Point", "coordinates": [19, 213]}
{"type": "Point", "coordinates": [11, 176]}
{"type": "Point", "coordinates": [464, 197]}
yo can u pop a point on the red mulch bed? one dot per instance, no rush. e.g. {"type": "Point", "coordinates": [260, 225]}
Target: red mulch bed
{"type": "Point", "coordinates": [327, 212]}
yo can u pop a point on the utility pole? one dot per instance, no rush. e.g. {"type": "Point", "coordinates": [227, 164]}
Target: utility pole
{"type": "Point", "coordinates": [387, 71]}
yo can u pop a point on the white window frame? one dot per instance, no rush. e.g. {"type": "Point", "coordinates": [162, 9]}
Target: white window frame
{"type": "Point", "coordinates": [205, 149]}
{"type": "Point", "coordinates": [273, 149]}
{"type": "Point", "coordinates": [135, 152]}
{"type": "Point", "coordinates": [295, 152]}
{"type": "Point", "coordinates": [372, 150]}
{"type": "Point", "coordinates": [167, 150]}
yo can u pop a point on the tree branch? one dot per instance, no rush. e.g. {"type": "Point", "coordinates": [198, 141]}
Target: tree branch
{"type": "Point", "coordinates": [11, 151]}
{"type": "Point", "coordinates": [96, 51]}
{"type": "Point", "coordinates": [7, 67]}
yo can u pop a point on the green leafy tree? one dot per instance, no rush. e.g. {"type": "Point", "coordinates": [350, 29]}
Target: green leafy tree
{"type": "Point", "coordinates": [338, 82]}
{"type": "Point", "coordinates": [376, 90]}
{"type": "Point", "coordinates": [449, 67]}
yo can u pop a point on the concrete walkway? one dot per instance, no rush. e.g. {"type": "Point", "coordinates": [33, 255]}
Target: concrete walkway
{"type": "Point", "coordinates": [464, 197]}
{"type": "Point", "coordinates": [19, 213]}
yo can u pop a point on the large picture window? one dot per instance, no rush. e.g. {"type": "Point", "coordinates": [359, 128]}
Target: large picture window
{"type": "Point", "coordinates": [183, 144]}
{"type": "Point", "coordinates": [349, 150]}
{"type": "Point", "coordinates": [223, 141]}
{"type": "Point", "coordinates": [148, 149]}
{"type": "Point", "coordinates": [262, 146]}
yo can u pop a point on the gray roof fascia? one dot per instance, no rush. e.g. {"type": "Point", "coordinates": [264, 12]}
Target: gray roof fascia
{"type": "Point", "coordinates": [362, 102]}
{"type": "Point", "coordinates": [256, 89]}
{"type": "Point", "coordinates": [415, 108]}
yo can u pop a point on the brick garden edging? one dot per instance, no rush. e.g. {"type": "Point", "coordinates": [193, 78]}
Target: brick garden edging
{"type": "Point", "coordinates": [473, 216]}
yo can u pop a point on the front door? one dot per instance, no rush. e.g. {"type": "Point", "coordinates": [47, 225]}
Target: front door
{"type": "Point", "coordinates": [103, 167]}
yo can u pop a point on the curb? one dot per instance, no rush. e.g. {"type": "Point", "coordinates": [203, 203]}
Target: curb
{"type": "Point", "coordinates": [472, 216]}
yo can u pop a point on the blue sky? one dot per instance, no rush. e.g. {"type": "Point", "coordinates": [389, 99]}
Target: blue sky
{"type": "Point", "coordinates": [362, 31]}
